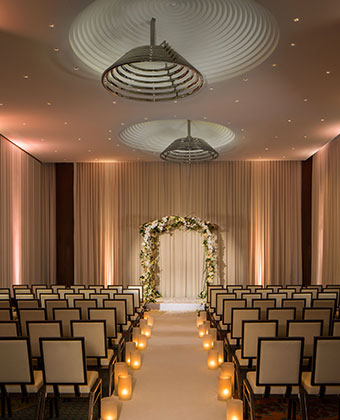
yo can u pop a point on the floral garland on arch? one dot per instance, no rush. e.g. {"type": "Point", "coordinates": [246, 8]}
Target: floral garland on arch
{"type": "Point", "coordinates": [149, 254]}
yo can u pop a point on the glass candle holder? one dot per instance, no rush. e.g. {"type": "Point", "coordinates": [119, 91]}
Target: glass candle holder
{"type": "Point", "coordinates": [109, 408]}
{"type": "Point", "coordinates": [136, 332]}
{"type": "Point", "coordinates": [207, 326]}
{"type": "Point", "coordinates": [141, 342]}
{"type": "Point", "coordinates": [143, 322]}
{"type": "Point", "coordinates": [146, 330]}
{"type": "Point", "coordinates": [228, 370]}
{"type": "Point", "coordinates": [208, 342]}
{"type": "Point", "coordinates": [213, 333]}
{"type": "Point", "coordinates": [213, 359]}
{"type": "Point", "coordinates": [201, 331]}
{"type": "Point", "coordinates": [124, 387]}
{"type": "Point", "coordinates": [135, 360]}
{"type": "Point", "coordinates": [199, 322]}
{"type": "Point", "coordinates": [234, 410]}
{"type": "Point", "coordinates": [129, 347]}
{"type": "Point", "coordinates": [219, 346]}
{"type": "Point", "coordinates": [120, 368]}
{"type": "Point", "coordinates": [225, 388]}
{"type": "Point", "coordinates": [150, 321]}
{"type": "Point", "coordinates": [203, 315]}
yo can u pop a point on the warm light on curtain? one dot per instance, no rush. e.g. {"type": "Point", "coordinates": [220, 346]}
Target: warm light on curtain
{"type": "Point", "coordinates": [255, 204]}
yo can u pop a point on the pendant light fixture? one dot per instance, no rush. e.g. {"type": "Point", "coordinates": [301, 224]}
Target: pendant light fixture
{"type": "Point", "coordinates": [152, 73]}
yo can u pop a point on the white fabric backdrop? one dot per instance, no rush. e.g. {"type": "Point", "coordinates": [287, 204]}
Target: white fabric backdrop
{"type": "Point", "coordinates": [255, 204]}
{"type": "Point", "coordinates": [27, 218]}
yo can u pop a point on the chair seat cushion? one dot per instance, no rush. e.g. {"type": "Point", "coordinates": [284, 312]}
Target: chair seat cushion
{"type": "Point", "coordinates": [104, 361]}
{"type": "Point", "coordinates": [223, 326]}
{"type": "Point", "coordinates": [275, 390]}
{"type": "Point", "coordinates": [242, 362]}
{"type": "Point", "coordinates": [116, 341]}
{"type": "Point", "coordinates": [31, 389]}
{"type": "Point", "coordinates": [134, 317]}
{"type": "Point", "coordinates": [231, 341]}
{"type": "Point", "coordinates": [217, 317]}
{"type": "Point", "coordinates": [314, 390]}
{"type": "Point", "coordinates": [92, 376]}
{"type": "Point", "coordinates": [126, 326]}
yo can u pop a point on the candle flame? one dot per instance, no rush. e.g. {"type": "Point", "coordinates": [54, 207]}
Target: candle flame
{"type": "Point", "coordinates": [125, 391]}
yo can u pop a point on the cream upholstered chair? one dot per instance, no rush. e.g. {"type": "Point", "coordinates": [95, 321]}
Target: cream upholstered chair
{"type": "Point", "coordinates": [313, 291]}
{"type": "Point", "coordinates": [117, 287]}
{"type": "Point", "coordinates": [96, 287]}
{"type": "Point", "coordinates": [279, 296]}
{"type": "Point", "coordinates": [288, 291]}
{"type": "Point", "coordinates": [282, 315]}
{"type": "Point", "coordinates": [231, 289]}
{"type": "Point", "coordinates": [320, 313]}
{"type": "Point", "coordinates": [65, 373]}
{"type": "Point", "coordinates": [84, 305]}
{"type": "Point", "coordinates": [324, 379]}
{"type": "Point", "coordinates": [9, 329]}
{"type": "Point", "coordinates": [263, 292]}
{"type": "Point", "coordinates": [4, 296]}
{"type": "Point", "coordinates": [50, 304]}
{"type": "Point", "coordinates": [298, 304]}
{"type": "Point", "coordinates": [16, 372]}
{"type": "Point", "coordinates": [5, 304]}
{"type": "Point", "coordinates": [77, 287]}
{"type": "Point", "coordinates": [332, 290]}
{"type": "Point", "coordinates": [220, 296]}
{"type": "Point", "coordinates": [99, 298]}
{"type": "Point", "coordinates": [28, 304]}
{"type": "Point", "coordinates": [71, 297]}
{"type": "Point", "coordinates": [213, 298]}
{"type": "Point", "coordinates": [228, 304]}
{"type": "Point", "coordinates": [240, 292]}
{"type": "Point", "coordinates": [121, 314]}
{"type": "Point", "coordinates": [296, 287]}
{"type": "Point", "coordinates": [66, 315]}
{"type": "Point", "coordinates": [130, 310]}
{"type": "Point", "coordinates": [57, 287]}
{"type": "Point", "coordinates": [24, 296]}
{"type": "Point", "coordinates": [264, 304]}
{"type": "Point", "coordinates": [275, 288]}
{"type": "Point", "coordinates": [308, 330]}
{"type": "Point", "coordinates": [43, 291]}
{"type": "Point", "coordinates": [5, 291]}
{"type": "Point", "coordinates": [307, 296]}
{"type": "Point", "coordinates": [87, 292]}
{"type": "Point", "coordinates": [253, 287]}
{"type": "Point", "coordinates": [136, 298]}
{"type": "Point", "coordinates": [39, 329]}
{"type": "Point", "coordinates": [141, 294]}
{"type": "Point", "coordinates": [96, 350]}
{"type": "Point", "coordinates": [249, 297]}
{"type": "Point", "coordinates": [314, 286]}
{"type": "Point", "coordinates": [63, 292]}
{"type": "Point", "coordinates": [6, 314]}
{"type": "Point", "coordinates": [278, 373]}
{"type": "Point", "coordinates": [47, 296]}
{"type": "Point", "coordinates": [25, 315]}
{"type": "Point", "coordinates": [211, 287]}
{"type": "Point", "coordinates": [36, 287]}
{"type": "Point", "coordinates": [245, 357]}
{"type": "Point", "coordinates": [325, 303]}
{"type": "Point", "coordinates": [336, 328]}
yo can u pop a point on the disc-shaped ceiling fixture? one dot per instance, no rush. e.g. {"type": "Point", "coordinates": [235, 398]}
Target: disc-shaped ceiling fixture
{"type": "Point", "coordinates": [152, 73]}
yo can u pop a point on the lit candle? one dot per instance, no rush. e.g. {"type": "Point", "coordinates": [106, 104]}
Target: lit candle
{"type": "Point", "coordinates": [228, 371]}
{"type": "Point", "coordinates": [234, 410]}
{"type": "Point", "coordinates": [213, 333]}
{"type": "Point", "coordinates": [121, 368]}
{"type": "Point", "coordinates": [150, 321]}
{"type": "Point", "coordinates": [135, 359]}
{"type": "Point", "coordinates": [109, 408]}
{"type": "Point", "coordinates": [146, 330]}
{"type": "Point", "coordinates": [129, 347]}
{"type": "Point", "coordinates": [201, 331]}
{"type": "Point", "coordinates": [143, 322]}
{"type": "Point", "coordinates": [199, 322]}
{"type": "Point", "coordinates": [225, 388]}
{"type": "Point", "coordinates": [207, 326]}
{"type": "Point", "coordinates": [136, 332]}
{"type": "Point", "coordinates": [219, 346]}
{"type": "Point", "coordinates": [124, 387]}
{"type": "Point", "coordinates": [203, 315]}
{"type": "Point", "coordinates": [208, 342]}
{"type": "Point", "coordinates": [141, 342]}
{"type": "Point", "coordinates": [213, 359]}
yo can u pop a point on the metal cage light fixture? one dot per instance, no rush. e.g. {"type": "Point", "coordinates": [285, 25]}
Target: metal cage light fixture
{"type": "Point", "coordinates": [152, 73]}
{"type": "Point", "coordinates": [189, 150]}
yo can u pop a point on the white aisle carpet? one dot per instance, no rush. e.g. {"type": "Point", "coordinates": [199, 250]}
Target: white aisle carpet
{"type": "Point", "coordinates": [174, 382]}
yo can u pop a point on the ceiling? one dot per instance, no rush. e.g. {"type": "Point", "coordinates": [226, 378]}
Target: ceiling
{"type": "Point", "coordinates": [54, 106]}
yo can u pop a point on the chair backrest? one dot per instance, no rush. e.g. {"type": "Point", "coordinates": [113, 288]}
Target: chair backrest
{"type": "Point", "coordinates": [219, 301]}
{"type": "Point", "coordinates": [63, 292]}
{"type": "Point", "coordinates": [251, 332]}
{"type": "Point", "coordinates": [87, 292]}
{"type": "Point", "coordinates": [15, 361]}
{"type": "Point", "coordinates": [36, 287]}
{"type": "Point", "coordinates": [275, 288]}
{"type": "Point", "coordinates": [5, 314]}
{"type": "Point", "coordinates": [308, 330]}
{"type": "Point", "coordinates": [25, 296]}
{"type": "Point", "coordinates": [22, 291]}
{"type": "Point", "coordinates": [278, 298]}
{"type": "Point", "coordinates": [288, 291]}
{"type": "Point", "coordinates": [296, 287]}
{"type": "Point", "coordinates": [330, 290]}
{"type": "Point", "coordinates": [139, 287]}
{"type": "Point", "coordinates": [64, 361]}
{"type": "Point", "coordinates": [25, 315]}
{"type": "Point", "coordinates": [325, 303]}
{"type": "Point", "coordinates": [306, 296]}
{"type": "Point", "coordinates": [264, 304]}
{"type": "Point", "coordinates": [120, 306]}
{"type": "Point", "coordinates": [314, 286]}
{"type": "Point", "coordinates": [9, 329]}
{"type": "Point", "coordinates": [96, 287]}
{"type": "Point", "coordinates": [228, 305]}
{"type": "Point", "coordinates": [329, 295]}
{"type": "Point", "coordinates": [5, 304]}
{"type": "Point", "coordinates": [84, 305]}
{"type": "Point", "coordinates": [298, 304]}
{"type": "Point", "coordinates": [5, 291]}
{"type": "Point", "coordinates": [139, 294]}
{"type": "Point", "coordinates": [117, 287]}
{"type": "Point", "coordinates": [66, 315]}
{"type": "Point", "coordinates": [263, 292]}
{"type": "Point", "coordinates": [238, 315]}
{"type": "Point", "coordinates": [57, 287]}
{"type": "Point", "coordinates": [71, 297]}
{"type": "Point", "coordinates": [94, 334]}
{"type": "Point", "coordinates": [336, 328]}
{"type": "Point", "coordinates": [282, 315]}
{"type": "Point", "coordinates": [47, 296]}
{"type": "Point", "coordinates": [77, 287]}
{"type": "Point", "coordinates": [100, 297]}
{"type": "Point", "coordinates": [28, 304]}
{"type": "Point", "coordinates": [253, 287]}
{"type": "Point", "coordinates": [136, 297]}
{"type": "Point", "coordinates": [240, 292]}
{"type": "Point", "coordinates": [109, 316]}
{"type": "Point", "coordinates": [213, 297]}
{"type": "Point", "coordinates": [211, 287]}
{"type": "Point", "coordinates": [129, 302]}
{"type": "Point", "coordinates": [39, 329]}
{"type": "Point", "coordinates": [231, 289]}
{"type": "Point", "coordinates": [320, 313]}
{"type": "Point", "coordinates": [54, 303]}
{"type": "Point", "coordinates": [326, 362]}
{"type": "Point", "coordinates": [279, 362]}
{"type": "Point", "coordinates": [313, 291]}
{"type": "Point", "coordinates": [249, 297]}
{"type": "Point", "coordinates": [42, 291]}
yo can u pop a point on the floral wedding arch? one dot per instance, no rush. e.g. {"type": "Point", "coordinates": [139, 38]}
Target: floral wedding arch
{"type": "Point", "coordinates": [149, 254]}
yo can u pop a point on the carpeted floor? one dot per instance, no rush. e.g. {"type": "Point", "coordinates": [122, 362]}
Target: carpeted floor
{"type": "Point", "coordinates": [174, 382]}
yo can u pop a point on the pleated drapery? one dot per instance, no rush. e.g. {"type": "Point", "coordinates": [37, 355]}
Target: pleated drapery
{"type": "Point", "coordinates": [326, 215]}
{"type": "Point", "coordinates": [27, 218]}
{"type": "Point", "coordinates": [256, 206]}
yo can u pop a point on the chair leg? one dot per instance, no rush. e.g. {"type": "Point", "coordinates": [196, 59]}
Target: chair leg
{"type": "Point", "coordinates": [289, 413]}
{"type": "Point", "coordinates": [9, 408]}
{"type": "Point", "coordinates": [303, 405]}
{"type": "Point", "coordinates": [91, 400]}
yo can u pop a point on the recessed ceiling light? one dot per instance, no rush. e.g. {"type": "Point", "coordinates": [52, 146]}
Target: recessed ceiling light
{"type": "Point", "coordinates": [296, 19]}
{"type": "Point", "coordinates": [26, 76]}
{"type": "Point", "coordinates": [293, 148]}
{"type": "Point", "coordinates": [49, 103]}
{"type": "Point", "coordinates": [245, 79]}
{"type": "Point", "coordinates": [211, 88]}
{"type": "Point", "coordinates": [305, 100]}
{"type": "Point", "coordinates": [274, 65]}
{"type": "Point", "coordinates": [328, 72]}
{"type": "Point", "coordinates": [267, 148]}
{"type": "Point", "coordinates": [65, 122]}
{"type": "Point", "coordinates": [52, 25]}
{"type": "Point", "coordinates": [79, 138]}
{"type": "Point", "coordinates": [114, 102]}
{"type": "Point", "coordinates": [109, 138]}
{"type": "Point", "coordinates": [110, 131]}
{"type": "Point", "coordinates": [122, 123]}
{"type": "Point", "coordinates": [55, 151]}
{"type": "Point", "coordinates": [304, 137]}
{"type": "Point", "coordinates": [1, 104]}
{"type": "Point", "coordinates": [292, 44]}
{"type": "Point", "coordinates": [276, 137]}
{"type": "Point", "coordinates": [24, 123]}
{"type": "Point", "coordinates": [322, 120]}
{"type": "Point", "coordinates": [289, 121]}
{"type": "Point", "coordinates": [237, 101]}
{"type": "Point", "coordinates": [89, 150]}
{"type": "Point", "coordinates": [56, 49]}
{"type": "Point", "coordinates": [75, 68]}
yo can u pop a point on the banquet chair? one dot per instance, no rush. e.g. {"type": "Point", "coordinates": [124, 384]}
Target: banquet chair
{"type": "Point", "coordinates": [117, 287]}
{"type": "Point", "coordinates": [288, 291]}
{"type": "Point", "coordinates": [282, 315]}
{"type": "Point", "coordinates": [240, 292]}
{"type": "Point", "coordinates": [264, 304]}
{"type": "Point", "coordinates": [6, 314]}
{"type": "Point", "coordinates": [96, 350]}
{"type": "Point", "coordinates": [36, 287]}
{"type": "Point", "coordinates": [231, 289]}
{"type": "Point", "coordinates": [306, 296]}
{"type": "Point", "coordinates": [136, 298]}
{"type": "Point", "coordinates": [54, 303]}
{"type": "Point", "coordinates": [39, 329]}
{"type": "Point", "coordinates": [307, 329]}
{"type": "Point", "coordinates": [296, 287]}
{"type": "Point", "coordinates": [96, 287]}
{"type": "Point", "coordinates": [228, 304]}
{"type": "Point", "coordinates": [219, 303]}
{"type": "Point", "coordinates": [324, 379]}
{"type": "Point", "coordinates": [213, 298]}
{"type": "Point", "coordinates": [66, 315]}
{"type": "Point", "coordinates": [84, 305]}
{"type": "Point", "coordinates": [278, 373]}
{"type": "Point", "coordinates": [17, 376]}
{"type": "Point", "coordinates": [24, 296]}
{"type": "Point", "coordinates": [336, 328]}
{"type": "Point", "coordinates": [245, 357]}
{"type": "Point", "coordinates": [313, 291]}
{"type": "Point", "coordinates": [279, 296]}
{"type": "Point", "coordinates": [99, 298]}
{"type": "Point", "coordinates": [47, 296]}
{"type": "Point", "coordinates": [121, 314]}
{"type": "Point", "coordinates": [249, 297]}
{"type": "Point", "coordinates": [331, 290]}
{"type": "Point", "coordinates": [65, 374]}
{"type": "Point", "coordinates": [5, 304]}
{"type": "Point", "coordinates": [57, 287]}
{"type": "Point", "coordinates": [63, 292]}
{"type": "Point", "coordinates": [71, 297]}
{"type": "Point", "coordinates": [211, 287]}
{"type": "Point", "coordinates": [298, 304]}
{"type": "Point", "coordinates": [264, 292]}
{"type": "Point", "coordinates": [320, 313]}
{"type": "Point", "coordinates": [28, 304]}
{"type": "Point", "coordinates": [42, 291]}
{"type": "Point", "coordinates": [325, 303]}
{"type": "Point", "coordinates": [253, 287]}
{"type": "Point", "coordinates": [9, 329]}
{"type": "Point", "coordinates": [129, 306]}
{"type": "Point", "coordinates": [77, 287]}
{"type": "Point", "coordinates": [25, 315]}
{"type": "Point", "coordinates": [275, 288]}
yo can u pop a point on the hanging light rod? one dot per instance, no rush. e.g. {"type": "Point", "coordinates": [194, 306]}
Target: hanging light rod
{"type": "Point", "coordinates": [152, 73]}
{"type": "Point", "coordinates": [189, 149]}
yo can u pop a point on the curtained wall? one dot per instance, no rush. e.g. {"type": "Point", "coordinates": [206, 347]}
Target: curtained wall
{"type": "Point", "coordinates": [326, 215]}
{"type": "Point", "coordinates": [27, 218]}
{"type": "Point", "coordinates": [257, 206]}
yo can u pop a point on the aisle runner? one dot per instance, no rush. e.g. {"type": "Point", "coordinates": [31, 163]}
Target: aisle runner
{"type": "Point", "coordinates": [174, 382]}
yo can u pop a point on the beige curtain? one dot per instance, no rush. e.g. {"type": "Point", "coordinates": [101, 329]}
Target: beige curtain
{"type": "Point", "coordinates": [326, 215]}
{"type": "Point", "coordinates": [256, 206]}
{"type": "Point", "coordinates": [26, 191]}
